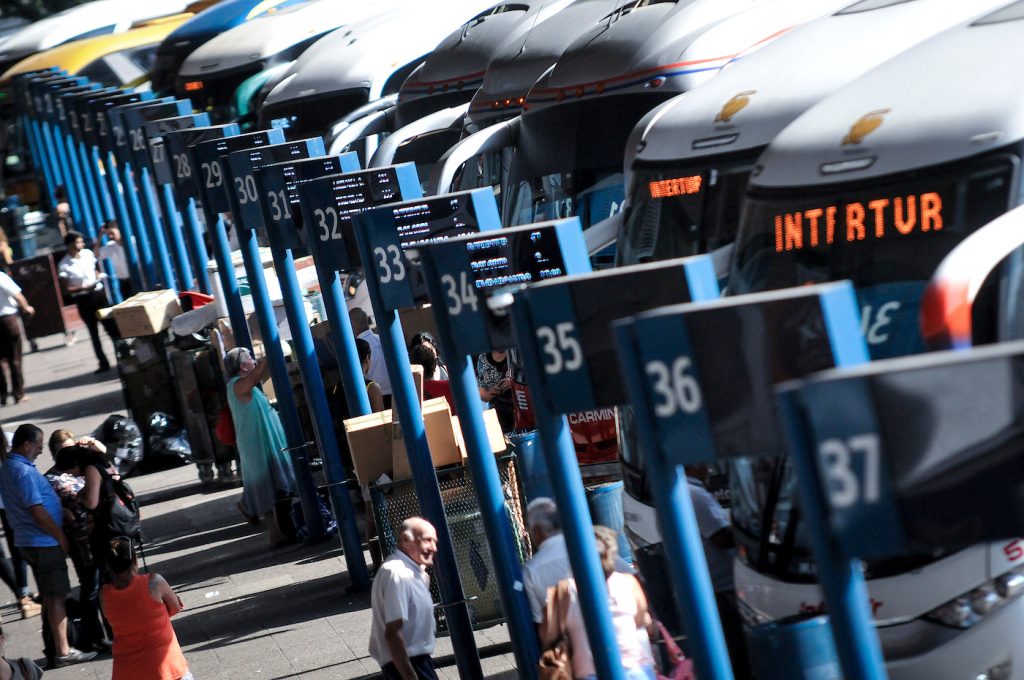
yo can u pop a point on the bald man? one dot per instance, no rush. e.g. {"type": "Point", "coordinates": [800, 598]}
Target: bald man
{"type": "Point", "coordinates": [378, 372]}
{"type": "Point", "coordinates": [402, 628]}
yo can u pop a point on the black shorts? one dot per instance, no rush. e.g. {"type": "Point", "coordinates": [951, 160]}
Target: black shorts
{"type": "Point", "coordinates": [423, 665]}
{"type": "Point", "coordinates": [50, 568]}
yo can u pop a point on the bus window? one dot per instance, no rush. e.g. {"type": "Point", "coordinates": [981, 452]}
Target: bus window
{"type": "Point", "coordinates": [887, 238]}
{"type": "Point", "coordinates": [684, 211]}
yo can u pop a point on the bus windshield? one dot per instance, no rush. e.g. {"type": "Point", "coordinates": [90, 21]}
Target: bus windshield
{"type": "Point", "coordinates": [591, 195]}
{"type": "Point", "coordinates": [684, 210]}
{"type": "Point", "coordinates": [887, 237]}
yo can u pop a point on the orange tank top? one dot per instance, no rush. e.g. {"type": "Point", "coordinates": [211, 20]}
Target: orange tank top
{"type": "Point", "coordinates": [144, 642]}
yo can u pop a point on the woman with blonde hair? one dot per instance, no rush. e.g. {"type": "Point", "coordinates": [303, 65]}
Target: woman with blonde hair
{"type": "Point", "coordinates": [139, 608]}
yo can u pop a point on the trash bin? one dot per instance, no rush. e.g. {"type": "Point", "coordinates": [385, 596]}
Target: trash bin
{"type": "Point", "coordinates": [605, 502]}
{"type": "Point", "coordinates": [533, 471]}
{"type": "Point", "coordinates": [795, 647]}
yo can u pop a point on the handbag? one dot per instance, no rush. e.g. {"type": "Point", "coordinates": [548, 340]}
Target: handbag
{"type": "Point", "coordinates": [681, 667]}
{"type": "Point", "coordinates": [556, 658]}
{"type": "Point", "coordinates": [225, 428]}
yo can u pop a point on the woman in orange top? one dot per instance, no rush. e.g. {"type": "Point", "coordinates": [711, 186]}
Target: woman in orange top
{"type": "Point", "coordinates": [139, 608]}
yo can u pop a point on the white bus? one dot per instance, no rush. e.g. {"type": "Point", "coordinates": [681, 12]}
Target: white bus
{"type": "Point", "coordinates": [877, 184]}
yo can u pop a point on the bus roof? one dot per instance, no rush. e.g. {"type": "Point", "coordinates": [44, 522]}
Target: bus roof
{"type": "Point", "coordinates": [755, 97]}
{"type": "Point", "coordinates": [368, 53]}
{"type": "Point", "coordinates": [99, 16]}
{"type": "Point", "coordinates": [524, 58]}
{"type": "Point", "coordinates": [76, 55]}
{"type": "Point", "coordinates": [270, 34]}
{"type": "Point", "coordinates": [666, 46]}
{"type": "Point", "coordinates": [455, 69]}
{"type": "Point", "coordinates": [955, 95]}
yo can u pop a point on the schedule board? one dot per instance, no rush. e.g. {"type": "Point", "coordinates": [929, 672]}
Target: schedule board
{"type": "Point", "coordinates": [210, 160]}
{"type": "Point", "coordinates": [572, 318]}
{"type": "Point", "coordinates": [471, 268]}
{"type": "Point", "coordinates": [709, 369]}
{"type": "Point", "coordinates": [329, 203]}
{"type": "Point", "coordinates": [186, 174]}
{"type": "Point", "coordinates": [156, 130]}
{"type": "Point", "coordinates": [246, 199]}
{"type": "Point", "coordinates": [392, 229]}
{"type": "Point", "coordinates": [278, 185]}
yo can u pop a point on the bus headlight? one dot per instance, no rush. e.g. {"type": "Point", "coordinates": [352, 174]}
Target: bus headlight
{"type": "Point", "coordinates": [970, 608]}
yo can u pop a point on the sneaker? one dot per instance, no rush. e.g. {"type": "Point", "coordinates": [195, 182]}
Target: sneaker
{"type": "Point", "coordinates": [74, 656]}
{"type": "Point", "coordinates": [29, 608]}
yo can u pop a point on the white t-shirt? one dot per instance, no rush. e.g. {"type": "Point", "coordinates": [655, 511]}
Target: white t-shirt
{"type": "Point", "coordinates": [623, 610]}
{"type": "Point", "coordinates": [80, 271]}
{"type": "Point", "coordinates": [8, 289]}
{"type": "Point", "coordinates": [378, 372]}
{"type": "Point", "coordinates": [114, 251]}
{"type": "Point", "coordinates": [401, 591]}
{"type": "Point", "coordinates": [712, 518]}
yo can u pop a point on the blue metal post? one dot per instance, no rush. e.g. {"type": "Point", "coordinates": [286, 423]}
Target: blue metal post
{"type": "Point", "coordinates": [73, 186]}
{"type": "Point", "coordinates": [200, 257]}
{"type": "Point", "coordinates": [131, 191]}
{"type": "Point", "coordinates": [405, 400]}
{"type": "Point", "coordinates": [344, 343]}
{"type": "Point", "coordinates": [282, 385]}
{"type": "Point", "coordinates": [313, 384]}
{"type": "Point", "coordinates": [42, 159]}
{"type": "Point", "coordinates": [228, 282]}
{"type": "Point", "coordinates": [124, 222]}
{"type": "Point", "coordinates": [560, 457]}
{"type": "Point", "coordinates": [106, 203]}
{"type": "Point", "coordinates": [175, 237]}
{"type": "Point", "coordinates": [691, 581]}
{"type": "Point", "coordinates": [487, 482]}
{"type": "Point", "coordinates": [156, 233]}
{"type": "Point", "coordinates": [842, 579]}
{"type": "Point", "coordinates": [89, 193]}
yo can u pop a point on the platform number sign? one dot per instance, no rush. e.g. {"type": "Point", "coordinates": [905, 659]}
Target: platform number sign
{"type": "Point", "coordinates": [167, 167]}
{"type": "Point", "coordinates": [184, 169]}
{"type": "Point", "coordinates": [210, 159]}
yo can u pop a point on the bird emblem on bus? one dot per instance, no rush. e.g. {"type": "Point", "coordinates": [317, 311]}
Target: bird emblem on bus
{"type": "Point", "coordinates": [734, 106]}
{"type": "Point", "coordinates": [864, 126]}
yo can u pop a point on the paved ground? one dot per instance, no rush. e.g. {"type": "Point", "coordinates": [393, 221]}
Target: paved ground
{"type": "Point", "coordinates": [249, 613]}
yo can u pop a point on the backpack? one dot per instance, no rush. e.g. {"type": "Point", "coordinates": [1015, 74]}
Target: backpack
{"type": "Point", "coordinates": [118, 510]}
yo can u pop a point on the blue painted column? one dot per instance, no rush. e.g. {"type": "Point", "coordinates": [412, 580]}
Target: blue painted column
{"type": "Point", "coordinates": [313, 385]}
{"type": "Point", "coordinates": [175, 237]}
{"type": "Point", "coordinates": [282, 385]}
{"type": "Point", "coordinates": [560, 458]}
{"type": "Point", "coordinates": [487, 483]}
{"type": "Point", "coordinates": [228, 282]}
{"type": "Point", "coordinates": [405, 401]}
{"type": "Point", "coordinates": [200, 256]}
{"type": "Point", "coordinates": [42, 160]}
{"type": "Point", "coordinates": [131, 250]}
{"type": "Point", "coordinates": [131, 191]}
{"type": "Point", "coordinates": [695, 595]}
{"type": "Point", "coordinates": [152, 220]}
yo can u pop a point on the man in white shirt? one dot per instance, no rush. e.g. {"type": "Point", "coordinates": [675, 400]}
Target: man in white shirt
{"type": "Point", "coordinates": [11, 303]}
{"type": "Point", "coordinates": [113, 250]}
{"type": "Point", "coordinates": [80, 279]}
{"type": "Point", "coordinates": [378, 372]}
{"type": "Point", "coordinates": [402, 628]}
{"type": "Point", "coordinates": [550, 561]}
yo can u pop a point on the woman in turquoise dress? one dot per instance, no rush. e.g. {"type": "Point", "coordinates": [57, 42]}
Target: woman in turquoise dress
{"type": "Point", "coordinates": [266, 469]}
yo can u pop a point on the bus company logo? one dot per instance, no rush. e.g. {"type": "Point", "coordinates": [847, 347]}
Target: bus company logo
{"type": "Point", "coordinates": [734, 106]}
{"type": "Point", "coordinates": [864, 126]}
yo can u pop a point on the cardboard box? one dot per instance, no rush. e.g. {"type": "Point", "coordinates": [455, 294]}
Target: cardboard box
{"type": "Point", "coordinates": [369, 441]}
{"type": "Point", "coordinates": [417, 380]}
{"type": "Point", "coordinates": [495, 437]}
{"type": "Point", "coordinates": [146, 313]}
{"type": "Point", "coordinates": [441, 438]}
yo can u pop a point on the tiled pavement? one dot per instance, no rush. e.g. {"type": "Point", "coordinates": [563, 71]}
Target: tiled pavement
{"type": "Point", "coordinates": [249, 613]}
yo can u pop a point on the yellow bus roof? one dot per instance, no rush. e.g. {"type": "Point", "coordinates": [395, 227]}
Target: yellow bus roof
{"type": "Point", "coordinates": [76, 55]}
